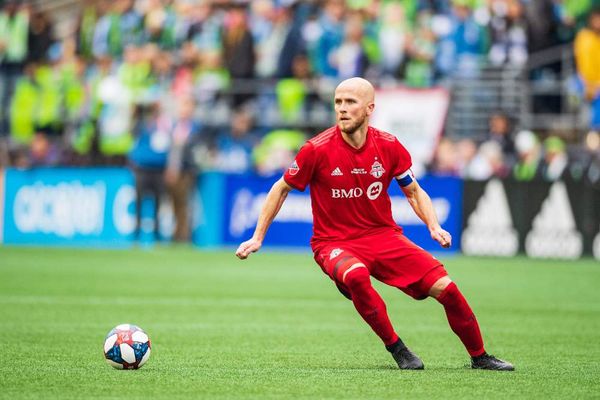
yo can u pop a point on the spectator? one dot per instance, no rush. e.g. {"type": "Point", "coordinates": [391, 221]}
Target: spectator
{"type": "Point", "coordinates": [500, 131]}
{"type": "Point", "coordinates": [160, 24]}
{"type": "Point", "coordinates": [234, 146]}
{"type": "Point", "coordinates": [40, 37]}
{"type": "Point", "coordinates": [120, 27]}
{"type": "Point", "coordinates": [461, 48]}
{"type": "Point", "coordinates": [135, 72]}
{"type": "Point", "coordinates": [592, 146]}
{"type": "Point", "coordinates": [180, 172]}
{"type": "Point", "coordinates": [529, 154]}
{"type": "Point", "coordinates": [91, 12]}
{"type": "Point", "coordinates": [204, 23]}
{"type": "Point", "coordinates": [183, 78]}
{"type": "Point", "coordinates": [542, 25]}
{"type": "Point", "coordinates": [489, 162]}
{"type": "Point", "coordinates": [70, 70]}
{"type": "Point", "coordinates": [393, 37]}
{"type": "Point", "coordinates": [330, 38]}
{"type": "Point", "coordinates": [37, 104]}
{"type": "Point", "coordinates": [14, 31]}
{"type": "Point", "coordinates": [587, 57]}
{"type": "Point", "coordinates": [115, 118]}
{"type": "Point", "coordinates": [85, 142]}
{"type": "Point", "coordinates": [297, 96]}
{"type": "Point", "coordinates": [238, 52]}
{"type": "Point", "coordinates": [555, 159]}
{"type": "Point", "coordinates": [350, 59]}
{"type": "Point", "coordinates": [23, 106]}
{"type": "Point", "coordinates": [421, 53]}
{"type": "Point", "coordinates": [575, 12]}
{"type": "Point", "coordinates": [162, 69]}
{"type": "Point", "coordinates": [542, 33]}
{"type": "Point", "coordinates": [148, 158]}
{"type": "Point", "coordinates": [44, 151]}
{"type": "Point", "coordinates": [581, 156]}
{"type": "Point", "coordinates": [212, 79]}
{"type": "Point", "coordinates": [466, 150]}
{"type": "Point", "coordinates": [293, 43]}
{"type": "Point", "coordinates": [508, 33]}
{"type": "Point", "coordinates": [445, 160]}
{"type": "Point", "coordinates": [269, 28]}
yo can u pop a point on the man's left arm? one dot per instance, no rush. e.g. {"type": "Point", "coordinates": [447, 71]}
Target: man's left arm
{"type": "Point", "coordinates": [420, 202]}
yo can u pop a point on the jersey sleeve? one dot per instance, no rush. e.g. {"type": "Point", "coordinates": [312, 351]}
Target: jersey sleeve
{"type": "Point", "coordinates": [300, 172]}
{"type": "Point", "coordinates": [403, 160]}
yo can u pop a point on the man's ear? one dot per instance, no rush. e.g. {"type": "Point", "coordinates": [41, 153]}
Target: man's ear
{"type": "Point", "coordinates": [370, 108]}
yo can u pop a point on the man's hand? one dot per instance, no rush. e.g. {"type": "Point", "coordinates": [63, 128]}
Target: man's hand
{"type": "Point", "coordinates": [249, 246]}
{"type": "Point", "coordinates": [441, 236]}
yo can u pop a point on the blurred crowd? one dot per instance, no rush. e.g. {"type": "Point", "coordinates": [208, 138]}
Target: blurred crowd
{"type": "Point", "coordinates": [175, 86]}
{"type": "Point", "coordinates": [520, 155]}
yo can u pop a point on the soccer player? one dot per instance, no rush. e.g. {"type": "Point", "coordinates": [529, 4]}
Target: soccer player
{"type": "Point", "coordinates": [349, 168]}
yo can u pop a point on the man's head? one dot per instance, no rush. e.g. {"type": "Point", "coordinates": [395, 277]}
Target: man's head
{"type": "Point", "coordinates": [354, 102]}
{"type": "Point", "coordinates": [499, 124]}
{"type": "Point", "coordinates": [594, 20]}
{"type": "Point", "coordinates": [186, 108]}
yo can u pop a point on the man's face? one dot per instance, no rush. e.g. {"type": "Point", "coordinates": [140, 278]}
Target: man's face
{"type": "Point", "coordinates": [351, 109]}
{"type": "Point", "coordinates": [595, 23]}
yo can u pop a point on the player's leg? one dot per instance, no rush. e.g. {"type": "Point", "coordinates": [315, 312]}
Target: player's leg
{"type": "Point", "coordinates": [417, 273]}
{"type": "Point", "coordinates": [408, 267]}
{"type": "Point", "coordinates": [354, 276]}
{"type": "Point", "coordinates": [461, 319]}
{"type": "Point", "coordinates": [353, 279]}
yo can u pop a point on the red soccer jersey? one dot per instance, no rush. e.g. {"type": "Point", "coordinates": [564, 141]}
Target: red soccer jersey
{"type": "Point", "coordinates": [348, 186]}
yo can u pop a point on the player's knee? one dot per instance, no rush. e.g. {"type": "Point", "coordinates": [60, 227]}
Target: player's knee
{"type": "Point", "coordinates": [356, 276]}
{"type": "Point", "coordinates": [439, 286]}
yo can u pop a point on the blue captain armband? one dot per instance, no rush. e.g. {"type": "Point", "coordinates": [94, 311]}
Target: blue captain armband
{"type": "Point", "coordinates": [405, 178]}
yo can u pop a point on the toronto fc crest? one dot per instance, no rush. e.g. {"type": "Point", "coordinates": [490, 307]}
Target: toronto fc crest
{"type": "Point", "coordinates": [293, 169]}
{"type": "Point", "coordinates": [377, 169]}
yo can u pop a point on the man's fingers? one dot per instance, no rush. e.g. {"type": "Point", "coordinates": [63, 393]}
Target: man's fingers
{"type": "Point", "coordinates": [443, 238]}
{"type": "Point", "coordinates": [446, 239]}
{"type": "Point", "coordinates": [242, 252]}
{"type": "Point", "coordinates": [245, 249]}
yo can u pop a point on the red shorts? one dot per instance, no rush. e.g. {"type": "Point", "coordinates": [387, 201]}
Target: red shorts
{"type": "Point", "coordinates": [390, 258]}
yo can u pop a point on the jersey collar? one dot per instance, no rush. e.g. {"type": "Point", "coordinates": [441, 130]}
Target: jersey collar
{"type": "Point", "coordinates": [352, 149]}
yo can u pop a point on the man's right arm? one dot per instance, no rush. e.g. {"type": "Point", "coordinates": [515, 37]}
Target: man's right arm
{"type": "Point", "coordinates": [273, 203]}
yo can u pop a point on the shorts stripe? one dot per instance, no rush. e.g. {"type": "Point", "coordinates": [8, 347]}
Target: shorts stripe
{"type": "Point", "coordinates": [353, 266]}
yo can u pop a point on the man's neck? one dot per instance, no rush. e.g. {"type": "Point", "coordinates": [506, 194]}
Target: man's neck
{"type": "Point", "coordinates": [358, 138]}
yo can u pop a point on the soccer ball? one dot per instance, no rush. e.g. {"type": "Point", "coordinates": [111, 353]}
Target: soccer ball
{"type": "Point", "coordinates": [127, 347]}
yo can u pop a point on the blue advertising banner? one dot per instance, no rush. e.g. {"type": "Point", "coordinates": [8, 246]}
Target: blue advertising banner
{"type": "Point", "coordinates": [244, 200]}
{"type": "Point", "coordinates": [293, 224]}
{"type": "Point", "coordinates": [96, 207]}
{"type": "Point", "coordinates": [208, 206]}
{"type": "Point", "coordinates": [69, 206]}
{"type": "Point", "coordinates": [446, 196]}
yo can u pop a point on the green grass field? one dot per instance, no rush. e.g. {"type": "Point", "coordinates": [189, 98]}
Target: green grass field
{"type": "Point", "coordinates": [275, 327]}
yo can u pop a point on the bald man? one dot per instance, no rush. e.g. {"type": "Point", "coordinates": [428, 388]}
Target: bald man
{"type": "Point", "coordinates": [349, 168]}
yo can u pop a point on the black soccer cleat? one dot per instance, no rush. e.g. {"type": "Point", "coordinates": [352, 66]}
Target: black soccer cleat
{"type": "Point", "coordinates": [488, 361]}
{"type": "Point", "coordinates": [405, 358]}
